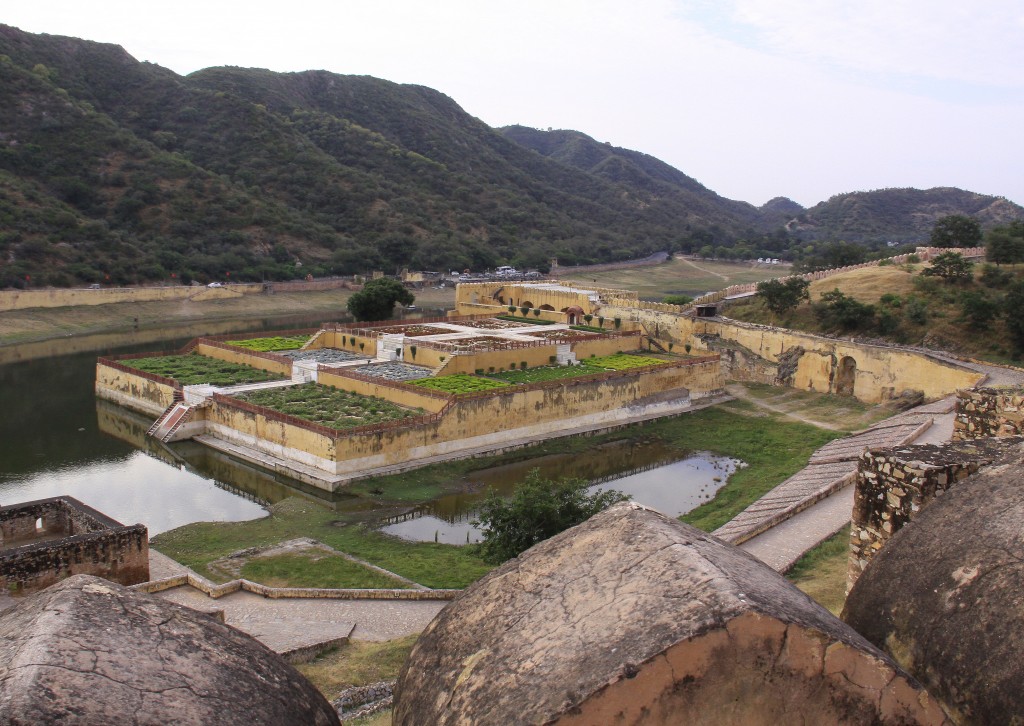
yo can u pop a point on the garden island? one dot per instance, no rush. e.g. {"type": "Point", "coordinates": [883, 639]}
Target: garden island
{"type": "Point", "coordinates": [346, 401]}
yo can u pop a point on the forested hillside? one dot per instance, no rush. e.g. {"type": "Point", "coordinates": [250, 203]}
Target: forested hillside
{"type": "Point", "coordinates": [117, 171]}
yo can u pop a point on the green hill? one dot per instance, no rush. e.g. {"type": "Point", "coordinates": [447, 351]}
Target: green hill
{"type": "Point", "coordinates": [121, 171]}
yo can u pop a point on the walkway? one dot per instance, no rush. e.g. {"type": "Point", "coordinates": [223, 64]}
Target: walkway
{"type": "Point", "coordinates": [299, 625]}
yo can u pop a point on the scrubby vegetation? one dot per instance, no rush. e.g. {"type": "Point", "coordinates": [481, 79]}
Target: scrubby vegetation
{"type": "Point", "coordinates": [328, 406]}
{"type": "Point", "coordinates": [194, 368]}
{"type": "Point", "coordinates": [269, 345]}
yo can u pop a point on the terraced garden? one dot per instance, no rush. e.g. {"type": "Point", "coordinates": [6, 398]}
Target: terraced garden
{"type": "Point", "coordinates": [459, 383]}
{"type": "Point", "coordinates": [587, 367]}
{"type": "Point", "coordinates": [275, 343]}
{"type": "Point", "coordinates": [194, 368]}
{"type": "Point", "coordinates": [328, 406]}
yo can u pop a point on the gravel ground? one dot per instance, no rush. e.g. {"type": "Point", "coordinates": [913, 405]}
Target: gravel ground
{"type": "Point", "coordinates": [395, 371]}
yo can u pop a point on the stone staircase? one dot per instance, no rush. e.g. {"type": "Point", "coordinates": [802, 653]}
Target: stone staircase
{"type": "Point", "coordinates": [564, 355]}
{"type": "Point", "coordinates": [171, 421]}
{"type": "Point", "coordinates": [389, 346]}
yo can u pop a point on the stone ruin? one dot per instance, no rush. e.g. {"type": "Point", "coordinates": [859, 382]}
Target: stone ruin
{"type": "Point", "coordinates": [989, 412]}
{"type": "Point", "coordinates": [943, 597]}
{"type": "Point", "coordinates": [633, 617]}
{"type": "Point", "coordinates": [44, 541]}
{"type": "Point", "coordinates": [89, 651]}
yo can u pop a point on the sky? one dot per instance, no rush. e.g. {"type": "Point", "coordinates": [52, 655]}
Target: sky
{"type": "Point", "coordinates": [752, 98]}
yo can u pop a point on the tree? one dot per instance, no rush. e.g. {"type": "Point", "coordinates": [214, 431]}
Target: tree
{"type": "Point", "coordinates": [951, 267]}
{"type": "Point", "coordinates": [978, 309]}
{"type": "Point", "coordinates": [1005, 245]}
{"type": "Point", "coordinates": [837, 311]}
{"type": "Point", "coordinates": [376, 301]}
{"type": "Point", "coordinates": [539, 508]}
{"type": "Point", "coordinates": [1013, 309]}
{"type": "Point", "coordinates": [956, 230]}
{"type": "Point", "coordinates": [782, 296]}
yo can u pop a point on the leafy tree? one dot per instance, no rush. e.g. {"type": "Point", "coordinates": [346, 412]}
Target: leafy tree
{"type": "Point", "coordinates": [539, 508]}
{"type": "Point", "coordinates": [994, 277]}
{"type": "Point", "coordinates": [956, 230]}
{"type": "Point", "coordinates": [783, 296]}
{"type": "Point", "coordinates": [677, 299]}
{"type": "Point", "coordinates": [376, 301]}
{"type": "Point", "coordinates": [838, 311]}
{"type": "Point", "coordinates": [978, 309]}
{"type": "Point", "coordinates": [1005, 245]}
{"type": "Point", "coordinates": [1013, 309]}
{"type": "Point", "coordinates": [951, 267]}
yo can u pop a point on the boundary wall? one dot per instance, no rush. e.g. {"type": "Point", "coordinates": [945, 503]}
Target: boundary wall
{"type": "Point", "coordinates": [465, 422]}
{"type": "Point", "coordinates": [66, 297]}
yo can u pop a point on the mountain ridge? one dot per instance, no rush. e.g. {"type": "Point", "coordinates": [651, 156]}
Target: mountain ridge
{"type": "Point", "coordinates": [121, 171]}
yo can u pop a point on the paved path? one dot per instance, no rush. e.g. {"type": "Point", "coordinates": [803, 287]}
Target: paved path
{"type": "Point", "coordinates": [291, 624]}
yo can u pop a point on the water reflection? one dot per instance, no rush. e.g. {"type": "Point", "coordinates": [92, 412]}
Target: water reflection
{"type": "Point", "coordinates": [654, 474]}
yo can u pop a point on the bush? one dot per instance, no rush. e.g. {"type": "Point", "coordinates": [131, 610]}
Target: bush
{"type": "Point", "coordinates": [539, 509]}
{"type": "Point", "coordinates": [839, 312]}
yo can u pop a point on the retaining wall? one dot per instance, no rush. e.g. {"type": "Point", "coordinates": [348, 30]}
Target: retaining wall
{"type": "Point", "coordinates": [58, 298]}
{"type": "Point", "coordinates": [139, 391]}
{"type": "Point", "coordinates": [989, 412]}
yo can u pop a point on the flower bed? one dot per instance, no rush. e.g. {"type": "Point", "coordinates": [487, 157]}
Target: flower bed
{"type": "Point", "coordinates": [561, 334]}
{"type": "Point", "coordinates": [623, 361]}
{"type": "Point", "coordinates": [194, 368]}
{"type": "Point", "coordinates": [589, 366]}
{"type": "Point", "coordinates": [414, 330]}
{"type": "Point", "coordinates": [491, 324]}
{"type": "Point", "coordinates": [269, 345]}
{"type": "Point", "coordinates": [328, 406]}
{"type": "Point", "coordinates": [459, 383]}
{"type": "Point", "coordinates": [531, 321]}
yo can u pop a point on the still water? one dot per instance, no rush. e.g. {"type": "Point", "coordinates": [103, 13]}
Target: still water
{"type": "Point", "coordinates": [57, 438]}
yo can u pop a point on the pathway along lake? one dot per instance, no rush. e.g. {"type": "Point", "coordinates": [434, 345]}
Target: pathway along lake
{"type": "Point", "coordinates": [57, 438]}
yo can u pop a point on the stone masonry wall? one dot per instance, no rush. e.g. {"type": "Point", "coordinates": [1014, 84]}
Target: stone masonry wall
{"type": "Point", "coordinates": [988, 412]}
{"type": "Point", "coordinates": [893, 485]}
{"type": "Point", "coordinates": [92, 544]}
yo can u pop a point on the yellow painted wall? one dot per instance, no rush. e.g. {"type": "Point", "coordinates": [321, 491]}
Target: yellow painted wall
{"type": "Point", "coordinates": [243, 357]}
{"type": "Point", "coordinates": [400, 396]}
{"type": "Point", "coordinates": [467, 417]}
{"type": "Point", "coordinates": [605, 346]}
{"type": "Point", "coordinates": [132, 391]}
{"type": "Point", "coordinates": [25, 299]}
{"type": "Point", "coordinates": [501, 359]}
{"type": "Point", "coordinates": [340, 340]}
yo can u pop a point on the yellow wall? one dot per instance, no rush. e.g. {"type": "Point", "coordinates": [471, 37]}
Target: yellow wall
{"type": "Point", "coordinates": [245, 358]}
{"type": "Point", "coordinates": [132, 391]}
{"type": "Point", "coordinates": [469, 296]}
{"type": "Point", "coordinates": [484, 419]}
{"type": "Point", "coordinates": [24, 299]}
{"type": "Point", "coordinates": [340, 341]}
{"type": "Point", "coordinates": [500, 359]}
{"type": "Point", "coordinates": [401, 396]}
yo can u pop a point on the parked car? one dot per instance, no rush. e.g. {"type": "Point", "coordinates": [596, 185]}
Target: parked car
{"type": "Point", "coordinates": [216, 284]}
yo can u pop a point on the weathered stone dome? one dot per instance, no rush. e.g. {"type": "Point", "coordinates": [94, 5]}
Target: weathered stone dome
{"type": "Point", "coordinates": [89, 651]}
{"type": "Point", "coordinates": [945, 596]}
{"type": "Point", "coordinates": [632, 617]}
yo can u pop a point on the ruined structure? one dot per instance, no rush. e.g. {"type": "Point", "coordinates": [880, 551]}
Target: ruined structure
{"type": "Point", "coordinates": [88, 651]}
{"type": "Point", "coordinates": [955, 619]}
{"type": "Point", "coordinates": [633, 618]}
{"type": "Point", "coordinates": [989, 412]}
{"type": "Point", "coordinates": [44, 541]}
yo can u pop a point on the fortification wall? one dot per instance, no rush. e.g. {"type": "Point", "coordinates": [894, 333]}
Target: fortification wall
{"type": "Point", "coordinates": [58, 298]}
{"type": "Point", "coordinates": [989, 412]}
{"type": "Point", "coordinates": [92, 544]}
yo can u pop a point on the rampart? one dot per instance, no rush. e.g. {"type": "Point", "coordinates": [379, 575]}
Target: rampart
{"type": "Point", "coordinates": [58, 298]}
{"type": "Point", "coordinates": [989, 412]}
{"type": "Point", "coordinates": [44, 541]}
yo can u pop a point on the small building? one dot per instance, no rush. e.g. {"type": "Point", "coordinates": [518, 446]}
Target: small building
{"type": "Point", "coordinates": [47, 540]}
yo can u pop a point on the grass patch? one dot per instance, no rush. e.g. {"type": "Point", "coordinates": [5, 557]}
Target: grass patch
{"type": "Point", "coordinates": [774, 447]}
{"type": "Point", "coordinates": [586, 367]}
{"type": "Point", "coordinates": [358, 663]}
{"type": "Point", "coordinates": [588, 328]}
{"type": "Point", "coordinates": [328, 406]}
{"type": "Point", "coordinates": [194, 368]}
{"type": "Point", "coordinates": [458, 383]}
{"type": "Point", "coordinates": [531, 321]}
{"type": "Point", "coordinates": [821, 573]}
{"type": "Point", "coordinates": [623, 362]}
{"type": "Point", "coordinates": [430, 564]}
{"type": "Point", "coordinates": [269, 345]}
{"type": "Point", "coordinates": [320, 569]}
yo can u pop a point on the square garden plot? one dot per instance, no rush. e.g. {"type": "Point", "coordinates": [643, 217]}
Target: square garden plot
{"type": "Point", "coordinates": [194, 368]}
{"type": "Point", "coordinates": [326, 355]}
{"type": "Point", "coordinates": [328, 406]}
{"type": "Point", "coordinates": [395, 371]}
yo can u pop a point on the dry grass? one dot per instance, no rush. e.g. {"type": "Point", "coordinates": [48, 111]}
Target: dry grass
{"type": "Point", "coordinates": [819, 409]}
{"type": "Point", "coordinates": [358, 663]}
{"type": "Point", "coordinates": [870, 283]}
{"type": "Point", "coordinates": [681, 277]}
{"type": "Point", "coordinates": [821, 573]}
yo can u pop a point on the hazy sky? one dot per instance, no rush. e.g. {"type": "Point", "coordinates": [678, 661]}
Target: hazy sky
{"type": "Point", "coordinates": [753, 98]}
